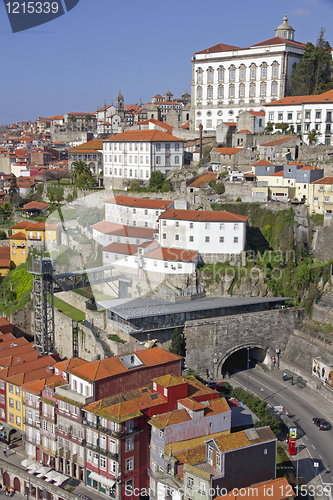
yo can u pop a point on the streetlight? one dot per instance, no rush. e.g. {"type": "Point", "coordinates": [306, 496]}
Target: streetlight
{"type": "Point", "coordinates": [248, 367]}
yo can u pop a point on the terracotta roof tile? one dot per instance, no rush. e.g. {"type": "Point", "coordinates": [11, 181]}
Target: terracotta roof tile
{"type": "Point", "coordinates": [107, 227]}
{"type": "Point", "coordinates": [122, 248]}
{"type": "Point", "coordinates": [220, 47]}
{"type": "Point", "coordinates": [292, 100]}
{"type": "Point", "coordinates": [143, 135]}
{"type": "Point", "coordinates": [245, 131]}
{"type": "Point", "coordinates": [172, 254]}
{"type": "Point", "coordinates": [277, 174]}
{"type": "Point", "coordinates": [324, 180]}
{"type": "Point", "coordinates": [202, 215]}
{"type": "Point", "coordinates": [262, 162]}
{"type": "Point", "coordinates": [278, 489]}
{"type": "Point", "coordinates": [227, 151]}
{"type": "Point", "coordinates": [169, 380]}
{"type": "Point", "coordinates": [279, 141]}
{"type": "Point", "coordinates": [203, 179]}
{"type": "Point", "coordinates": [129, 201]}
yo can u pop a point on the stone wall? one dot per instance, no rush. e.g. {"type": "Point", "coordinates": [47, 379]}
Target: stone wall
{"type": "Point", "coordinates": [324, 243]}
{"type": "Point", "coordinates": [90, 346]}
{"type": "Point", "coordinates": [319, 156]}
{"type": "Point", "coordinates": [298, 355]}
{"type": "Point", "coordinates": [322, 314]}
{"type": "Point", "coordinates": [216, 339]}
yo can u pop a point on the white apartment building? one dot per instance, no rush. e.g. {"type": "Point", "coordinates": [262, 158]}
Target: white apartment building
{"type": "Point", "coordinates": [305, 113]}
{"type": "Point", "coordinates": [135, 154]}
{"type": "Point", "coordinates": [227, 80]}
{"type": "Point", "coordinates": [131, 211]}
{"type": "Point", "coordinates": [106, 233]}
{"type": "Point", "coordinates": [205, 231]}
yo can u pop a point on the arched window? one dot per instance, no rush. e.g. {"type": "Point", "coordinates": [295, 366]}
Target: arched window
{"type": "Point", "coordinates": [252, 90]}
{"type": "Point", "coordinates": [210, 75]}
{"type": "Point", "coordinates": [274, 88]}
{"type": "Point", "coordinates": [232, 73]}
{"type": "Point", "coordinates": [210, 92]}
{"type": "Point", "coordinates": [242, 72]}
{"type": "Point", "coordinates": [221, 92]}
{"type": "Point", "coordinates": [231, 91]}
{"type": "Point", "coordinates": [242, 90]}
{"type": "Point", "coordinates": [264, 70]}
{"type": "Point", "coordinates": [199, 75]}
{"type": "Point", "coordinates": [253, 71]}
{"type": "Point", "coordinates": [275, 69]}
{"type": "Point", "coordinates": [263, 89]}
{"type": "Point", "coordinates": [199, 93]}
{"type": "Point", "coordinates": [221, 74]}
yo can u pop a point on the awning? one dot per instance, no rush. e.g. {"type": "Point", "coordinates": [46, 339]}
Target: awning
{"type": "Point", "coordinates": [59, 479]}
{"type": "Point", "coordinates": [27, 462]}
{"type": "Point", "coordinates": [52, 475]}
{"type": "Point", "coordinates": [42, 469]}
{"type": "Point", "coordinates": [102, 479]}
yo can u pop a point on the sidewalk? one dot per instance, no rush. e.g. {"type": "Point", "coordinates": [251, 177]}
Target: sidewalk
{"type": "Point", "coordinates": [17, 454]}
{"type": "Point", "coordinates": [302, 456]}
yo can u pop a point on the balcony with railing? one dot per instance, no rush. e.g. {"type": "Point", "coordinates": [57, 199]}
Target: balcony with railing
{"type": "Point", "coordinates": [32, 439]}
{"type": "Point", "coordinates": [48, 416]}
{"type": "Point", "coordinates": [29, 422]}
{"type": "Point", "coordinates": [48, 450]}
{"type": "Point", "coordinates": [66, 392]}
{"type": "Point", "coordinates": [36, 405]}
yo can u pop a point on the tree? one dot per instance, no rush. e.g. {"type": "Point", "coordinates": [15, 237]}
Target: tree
{"type": "Point", "coordinates": [79, 168]}
{"type": "Point", "coordinates": [269, 127]}
{"type": "Point", "coordinates": [156, 180]}
{"type": "Point", "coordinates": [313, 136]}
{"type": "Point", "coordinates": [177, 345]}
{"type": "Point", "coordinates": [55, 194]}
{"type": "Point", "coordinates": [13, 189]}
{"type": "Point", "coordinates": [281, 126]}
{"type": "Point", "coordinates": [313, 73]}
{"type": "Point", "coordinates": [3, 235]}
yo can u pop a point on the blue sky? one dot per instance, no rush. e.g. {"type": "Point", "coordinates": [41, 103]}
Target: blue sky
{"type": "Point", "coordinates": [74, 63]}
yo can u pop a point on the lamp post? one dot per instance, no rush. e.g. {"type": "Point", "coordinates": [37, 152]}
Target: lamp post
{"type": "Point", "coordinates": [248, 367]}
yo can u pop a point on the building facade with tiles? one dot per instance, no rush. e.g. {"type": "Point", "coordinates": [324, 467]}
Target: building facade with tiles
{"type": "Point", "coordinates": [227, 80]}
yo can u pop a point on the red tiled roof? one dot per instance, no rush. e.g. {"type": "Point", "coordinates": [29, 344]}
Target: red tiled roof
{"type": "Point", "coordinates": [245, 131]}
{"type": "Point", "coordinates": [308, 167]}
{"type": "Point", "coordinates": [107, 227]}
{"type": "Point", "coordinates": [277, 174]}
{"type": "Point", "coordinates": [324, 180]}
{"type": "Point", "coordinates": [278, 41]}
{"type": "Point", "coordinates": [202, 215]}
{"type": "Point", "coordinates": [262, 162]}
{"type": "Point", "coordinates": [4, 263]}
{"type": "Point", "coordinates": [70, 363]}
{"type": "Point", "coordinates": [279, 141]}
{"type": "Point", "coordinates": [35, 205]}
{"type": "Point", "coordinates": [143, 135]}
{"type": "Point", "coordinates": [220, 47]}
{"type": "Point", "coordinates": [291, 100]}
{"type": "Point", "coordinates": [172, 254]}
{"type": "Point", "coordinates": [157, 122]}
{"type": "Point", "coordinates": [170, 418]}
{"type": "Point", "coordinates": [129, 201]}
{"type": "Point", "coordinates": [109, 367]}
{"type": "Point", "coordinates": [203, 179]}
{"type": "Point", "coordinates": [227, 151]}
{"type": "Point", "coordinates": [122, 248]}
{"type": "Point", "coordinates": [257, 113]}
{"type": "Point", "coordinates": [17, 236]}
{"type": "Point", "coordinates": [186, 125]}
{"type": "Point", "coordinates": [278, 489]}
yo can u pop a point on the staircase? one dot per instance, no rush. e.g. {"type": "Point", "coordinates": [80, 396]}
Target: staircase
{"type": "Point", "coordinates": [326, 300]}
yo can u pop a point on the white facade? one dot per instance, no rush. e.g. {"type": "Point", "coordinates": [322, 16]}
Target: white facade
{"type": "Point", "coordinates": [106, 233]}
{"type": "Point", "coordinates": [228, 80]}
{"type": "Point", "coordinates": [135, 211]}
{"type": "Point", "coordinates": [134, 155]}
{"type": "Point", "coordinates": [305, 113]}
{"type": "Point", "coordinates": [209, 235]}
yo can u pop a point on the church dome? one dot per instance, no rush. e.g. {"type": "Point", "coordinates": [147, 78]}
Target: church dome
{"type": "Point", "coordinates": [285, 30]}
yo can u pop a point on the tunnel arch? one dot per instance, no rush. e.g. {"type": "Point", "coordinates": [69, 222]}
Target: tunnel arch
{"type": "Point", "coordinates": [268, 359]}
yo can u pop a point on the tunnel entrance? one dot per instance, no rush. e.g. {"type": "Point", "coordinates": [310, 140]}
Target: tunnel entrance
{"type": "Point", "coordinates": [240, 359]}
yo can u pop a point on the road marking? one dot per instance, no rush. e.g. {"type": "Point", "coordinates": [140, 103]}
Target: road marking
{"type": "Point", "coordinates": [313, 447]}
{"type": "Point", "coordinates": [306, 438]}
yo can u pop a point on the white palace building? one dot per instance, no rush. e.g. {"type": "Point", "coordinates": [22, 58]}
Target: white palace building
{"type": "Point", "coordinates": [227, 80]}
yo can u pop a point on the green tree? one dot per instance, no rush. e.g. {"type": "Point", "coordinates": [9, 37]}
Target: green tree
{"type": "Point", "coordinates": [313, 73]}
{"type": "Point", "coordinates": [55, 194]}
{"type": "Point", "coordinates": [177, 345]}
{"type": "Point", "coordinates": [313, 136]}
{"type": "Point", "coordinates": [281, 126]}
{"type": "Point", "coordinates": [269, 127]}
{"type": "Point", "coordinates": [13, 189]}
{"type": "Point", "coordinates": [79, 168]}
{"type": "Point", "coordinates": [3, 235]}
{"type": "Point", "coordinates": [156, 180]}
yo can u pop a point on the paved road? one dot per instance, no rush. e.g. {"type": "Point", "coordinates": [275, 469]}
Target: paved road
{"type": "Point", "coordinates": [303, 404]}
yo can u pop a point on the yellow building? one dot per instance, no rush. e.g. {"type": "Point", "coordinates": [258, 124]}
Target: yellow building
{"type": "Point", "coordinates": [27, 234]}
{"type": "Point", "coordinates": [15, 406]}
{"type": "Point", "coordinates": [321, 194]}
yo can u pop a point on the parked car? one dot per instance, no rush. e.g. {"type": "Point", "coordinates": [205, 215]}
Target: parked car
{"type": "Point", "coordinates": [321, 423]}
{"type": "Point", "coordinates": [213, 385]}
